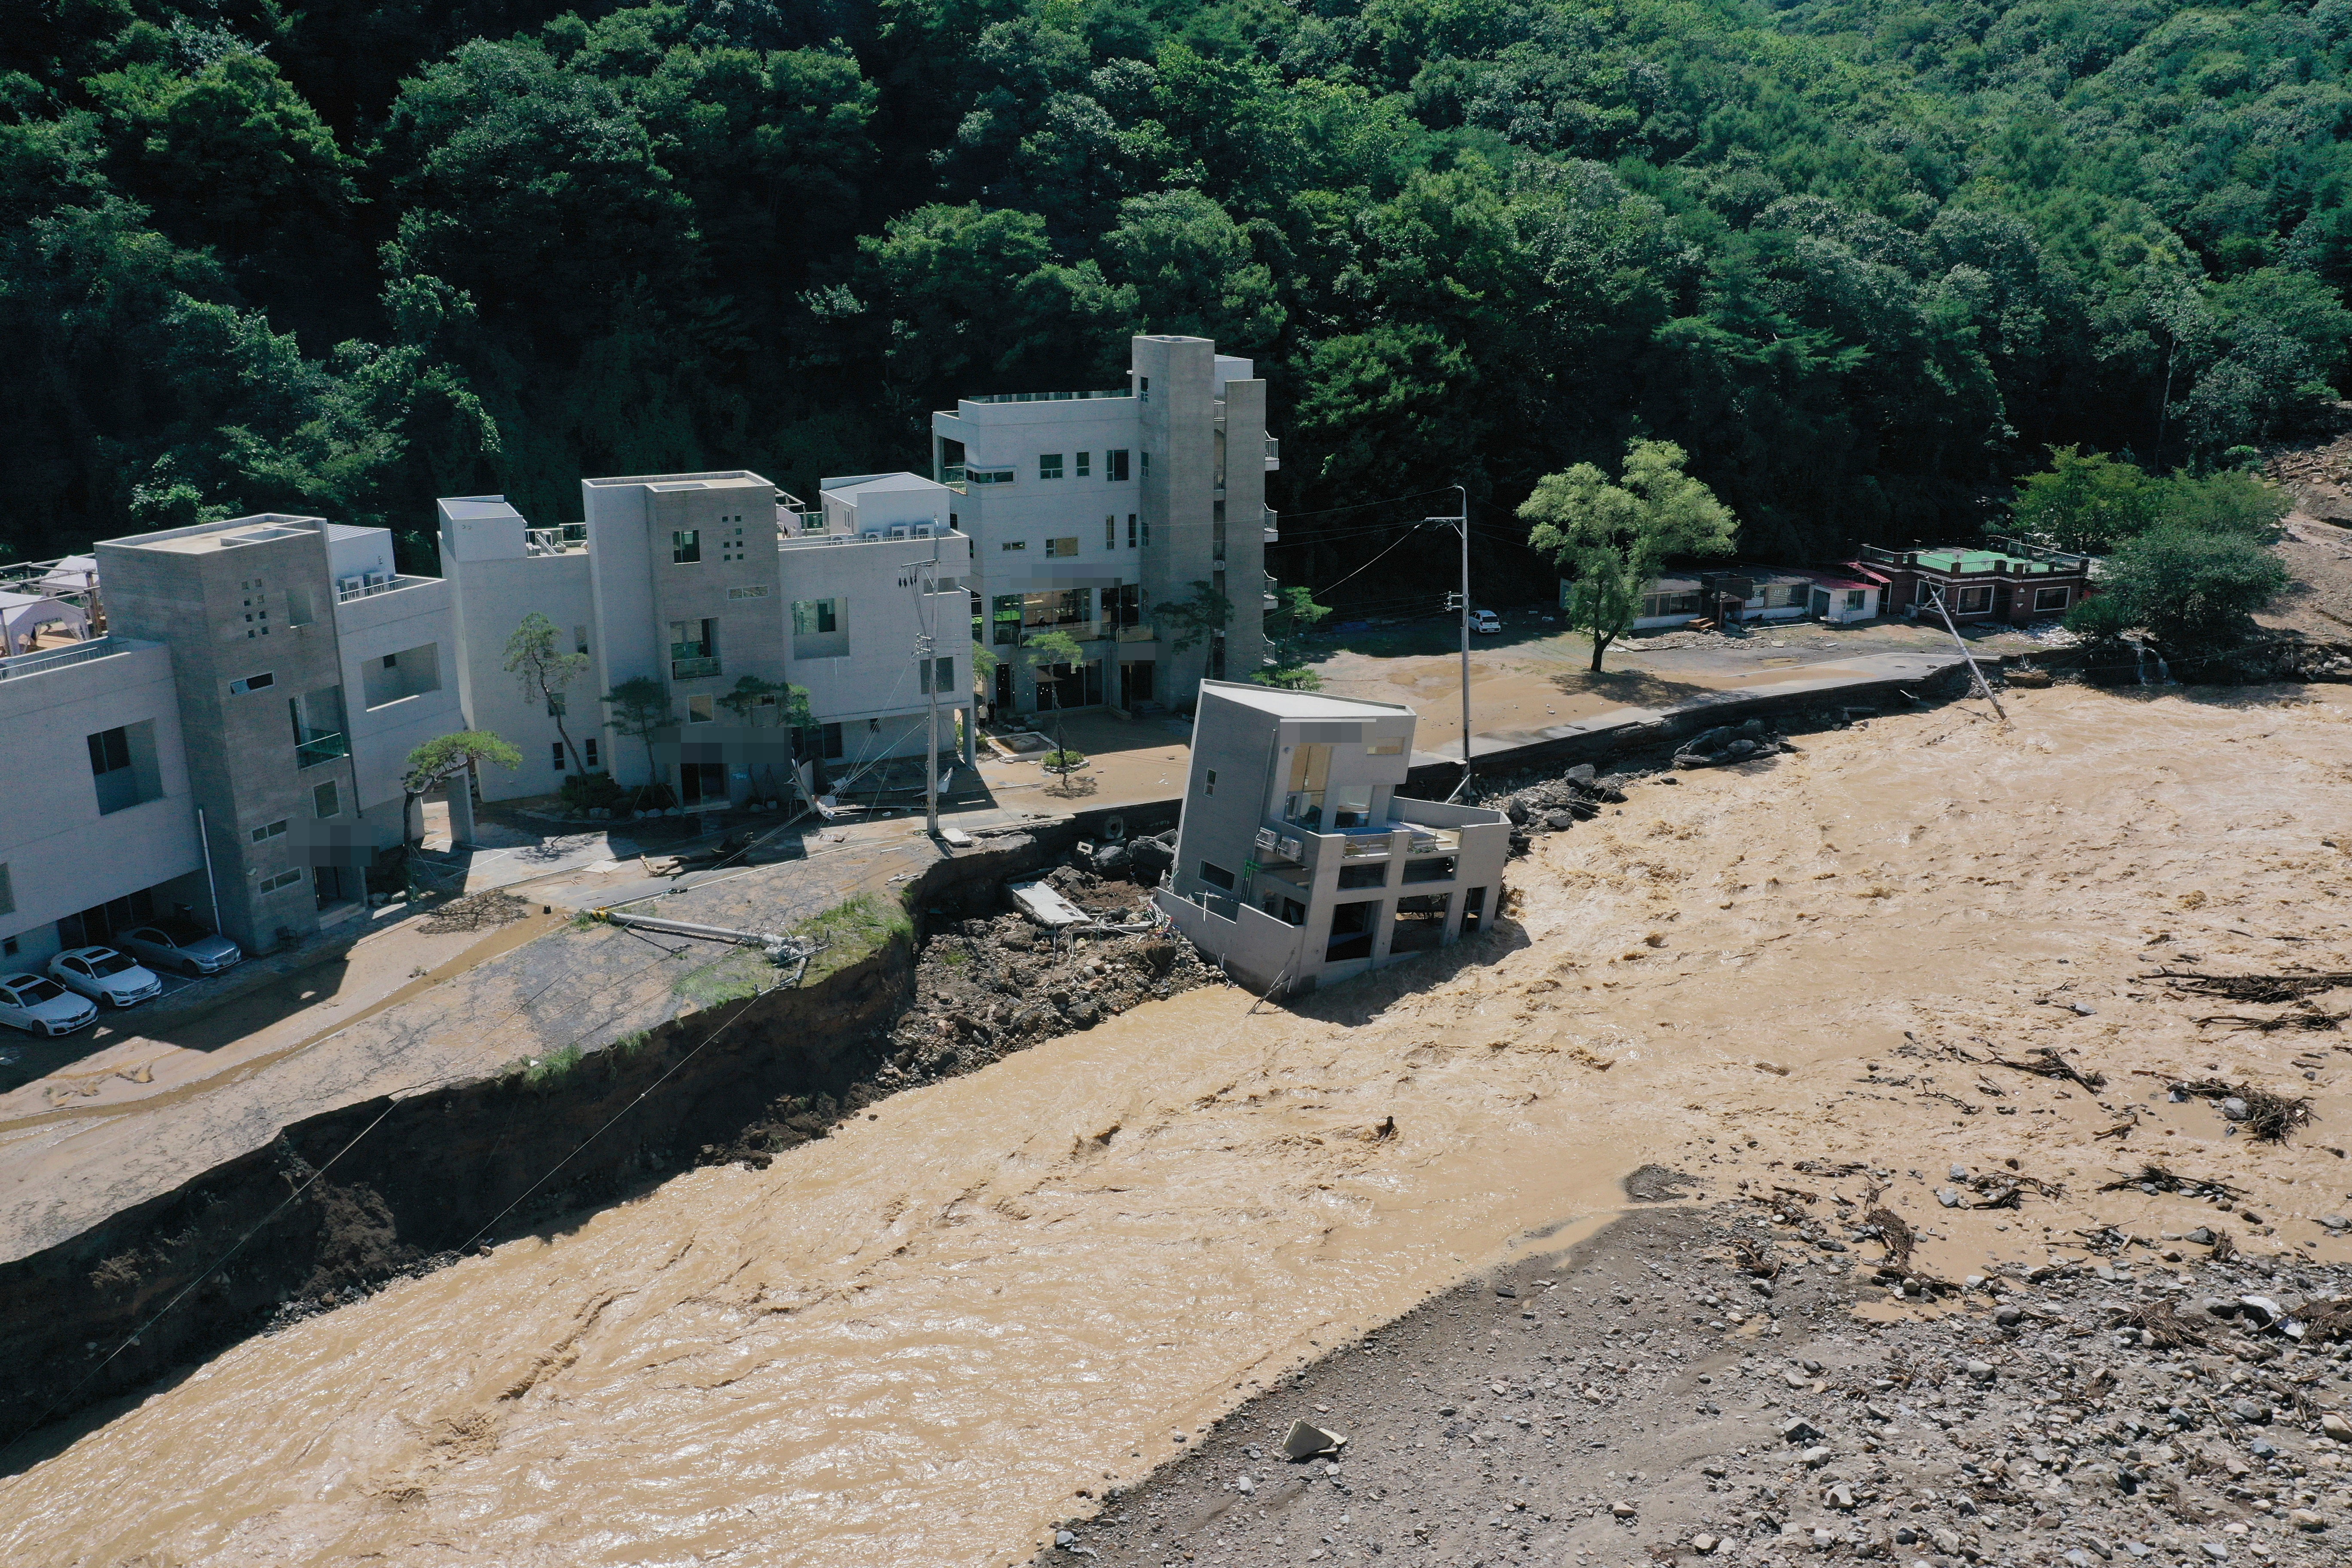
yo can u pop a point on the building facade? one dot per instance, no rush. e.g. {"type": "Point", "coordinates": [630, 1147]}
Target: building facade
{"type": "Point", "coordinates": [1297, 863]}
{"type": "Point", "coordinates": [230, 750]}
{"type": "Point", "coordinates": [1094, 514]}
{"type": "Point", "coordinates": [2001, 581]}
{"type": "Point", "coordinates": [695, 582]}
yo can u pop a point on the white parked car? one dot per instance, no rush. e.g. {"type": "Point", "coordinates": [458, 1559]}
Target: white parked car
{"type": "Point", "coordinates": [190, 950]}
{"type": "Point", "coordinates": [103, 974]}
{"type": "Point", "coordinates": [41, 1006]}
{"type": "Point", "coordinates": [1486, 622]}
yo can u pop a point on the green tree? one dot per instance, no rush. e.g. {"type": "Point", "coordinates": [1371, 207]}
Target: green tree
{"type": "Point", "coordinates": [2087, 504]}
{"type": "Point", "coordinates": [752, 697]}
{"type": "Point", "coordinates": [1194, 619]}
{"type": "Point", "coordinates": [1286, 629]}
{"type": "Point", "coordinates": [2188, 590]}
{"type": "Point", "coordinates": [641, 709]}
{"type": "Point", "coordinates": [444, 758]}
{"type": "Point", "coordinates": [1048, 648]}
{"type": "Point", "coordinates": [535, 658]}
{"type": "Point", "coordinates": [2230, 501]}
{"type": "Point", "coordinates": [1610, 539]}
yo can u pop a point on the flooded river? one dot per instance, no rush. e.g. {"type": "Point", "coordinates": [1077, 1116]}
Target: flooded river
{"type": "Point", "coordinates": [915, 1340]}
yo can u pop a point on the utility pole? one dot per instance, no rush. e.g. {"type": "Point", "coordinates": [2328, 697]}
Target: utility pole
{"type": "Point", "coordinates": [1460, 523]}
{"type": "Point", "coordinates": [925, 580]}
{"type": "Point", "coordinates": [1984, 687]}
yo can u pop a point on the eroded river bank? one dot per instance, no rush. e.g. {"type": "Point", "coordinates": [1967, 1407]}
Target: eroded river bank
{"type": "Point", "coordinates": [916, 1340]}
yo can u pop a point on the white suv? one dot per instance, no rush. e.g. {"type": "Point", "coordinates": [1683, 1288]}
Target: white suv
{"type": "Point", "coordinates": [42, 1006]}
{"type": "Point", "coordinates": [1486, 622]}
{"type": "Point", "coordinates": [105, 975]}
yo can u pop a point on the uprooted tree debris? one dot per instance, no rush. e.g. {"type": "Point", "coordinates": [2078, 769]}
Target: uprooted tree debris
{"type": "Point", "coordinates": [1554, 806]}
{"type": "Point", "coordinates": [2250, 987]}
{"type": "Point", "coordinates": [2153, 1179]}
{"type": "Point", "coordinates": [2269, 1117]}
{"type": "Point", "coordinates": [2305, 1015]}
{"type": "Point", "coordinates": [1730, 743]}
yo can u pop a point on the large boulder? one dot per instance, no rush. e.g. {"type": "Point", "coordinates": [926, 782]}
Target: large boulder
{"type": "Point", "coordinates": [1150, 855]}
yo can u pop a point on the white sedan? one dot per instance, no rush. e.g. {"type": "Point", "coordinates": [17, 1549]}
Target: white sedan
{"type": "Point", "coordinates": [189, 949]}
{"type": "Point", "coordinates": [103, 974]}
{"type": "Point", "coordinates": [42, 1006]}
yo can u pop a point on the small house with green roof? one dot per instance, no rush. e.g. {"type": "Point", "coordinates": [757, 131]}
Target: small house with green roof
{"type": "Point", "coordinates": [1998, 581]}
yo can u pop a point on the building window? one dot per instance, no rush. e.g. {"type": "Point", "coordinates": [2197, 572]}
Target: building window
{"type": "Point", "coordinates": [938, 674]}
{"type": "Point", "coordinates": [1005, 610]}
{"type": "Point", "coordinates": [685, 547]}
{"type": "Point", "coordinates": [988, 476]}
{"type": "Point", "coordinates": [1972, 601]}
{"type": "Point", "coordinates": [327, 801]}
{"type": "Point", "coordinates": [1216, 876]}
{"type": "Point", "coordinates": [1147, 533]}
{"type": "Point", "coordinates": [1391, 747]}
{"type": "Point", "coordinates": [555, 755]}
{"type": "Point", "coordinates": [693, 649]}
{"type": "Point", "coordinates": [123, 766]}
{"type": "Point", "coordinates": [1114, 465]}
{"type": "Point", "coordinates": [397, 676]}
{"type": "Point", "coordinates": [286, 879]}
{"type": "Point", "coordinates": [830, 738]}
{"type": "Point", "coordinates": [1854, 597]}
{"type": "Point", "coordinates": [821, 628]}
{"type": "Point", "coordinates": [7, 899]}
{"type": "Point", "coordinates": [1209, 782]}
{"type": "Point", "coordinates": [252, 683]}
{"type": "Point", "coordinates": [1082, 457]}
{"type": "Point", "coordinates": [1143, 389]}
{"type": "Point", "coordinates": [1049, 465]}
{"type": "Point", "coordinates": [1372, 876]}
{"type": "Point", "coordinates": [589, 746]}
{"type": "Point", "coordinates": [754, 591]}
{"type": "Point", "coordinates": [1146, 464]}
{"type": "Point", "coordinates": [1014, 544]}
{"type": "Point", "coordinates": [555, 709]}
{"type": "Point", "coordinates": [1063, 547]}
{"type": "Point", "coordinates": [1111, 531]}
{"type": "Point", "coordinates": [702, 710]}
{"type": "Point", "coordinates": [2049, 598]}
{"type": "Point", "coordinates": [580, 639]}
{"type": "Point", "coordinates": [8, 945]}
{"type": "Point", "coordinates": [269, 831]}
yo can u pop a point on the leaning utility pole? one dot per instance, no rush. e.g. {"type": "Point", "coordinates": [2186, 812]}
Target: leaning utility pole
{"type": "Point", "coordinates": [1460, 523]}
{"type": "Point", "coordinates": [1984, 687]}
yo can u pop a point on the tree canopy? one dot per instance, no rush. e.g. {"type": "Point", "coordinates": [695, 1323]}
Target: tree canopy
{"type": "Point", "coordinates": [1608, 539]}
{"type": "Point", "coordinates": [1863, 262]}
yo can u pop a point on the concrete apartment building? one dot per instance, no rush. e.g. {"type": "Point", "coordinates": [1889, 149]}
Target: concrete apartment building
{"type": "Point", "coordinates": [1297, 863]}
{"type": "Point", "coordinates": [229, 750]}
{"type": "Point", "coordinates": [1086, 510]}
{"type": "Point", "coordinates": [695, 580]}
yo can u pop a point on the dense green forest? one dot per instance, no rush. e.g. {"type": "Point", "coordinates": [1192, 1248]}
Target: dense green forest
{"type": "Point", "coordinates": [1864, 260]}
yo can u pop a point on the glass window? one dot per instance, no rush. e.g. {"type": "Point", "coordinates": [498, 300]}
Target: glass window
{"type": "Point", "coordinates": [1130, 531]}
{"type": "Point", "coordinates": [1005, 610]}
{"type": "Point", "coordinates": [1352, 807]}
{"type": "Point", "coordinates": [1972, 600]}
{"type": "Point", "coordinates": [1014, 544]}
{"type": "Point", "coordinates": [686, 546]}
{"type": "Point", "coordinates": [110, 750]}
{"type": "Point", "coordinates": [1391, 747]}
{"type": "Point", "coordinates": [1082, 457]}
{"type": "Point", "coordinates": [1111, 531]}
{"type": "Point", "coordinates": [1210, 785]}
{"type": "Point", "coordinates": [1854, 597]}
{"type": "Point", "coordinates": [269, 831]}
{"type": "Point", "coordinates": [327, 800]}
{"type": "Point", "coordinates": [555, 755]}
{"type": "Point", "coordinates": [1216, 876]}
{"type": "Point", "coordinates": [1049, 465]}
{"type": "Point", "coordinates": [1063, 547]}
{"type": "Point", "coordinates": [2049, 598]}
{"type": "Point", "coordinates": [700, 710]}
{"type": "Point", "coordinates": [589, 747]}
{"type": "Point", "coordinates": [832, 738]}
{"type": "Point", "coordinates": [252, 683]}
{"type": "Point", "coordinates": [1310, 774]}
{"type": "Point", "coordinates": [1114, 465]}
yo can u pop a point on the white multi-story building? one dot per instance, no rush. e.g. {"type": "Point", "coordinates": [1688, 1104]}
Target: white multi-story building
{"type": "Point", "coordinates": [1094, 513]}
{"type": "Point", "coordinates": [229, 750]}
{"type": "Point", "coordinates": [695, 581]}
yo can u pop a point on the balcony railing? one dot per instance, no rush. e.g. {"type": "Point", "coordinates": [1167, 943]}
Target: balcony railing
{"type": "Point", "coordinates": [48, 659]}
{"type": "Point", "coordinates": [1273, 454]}
{"type": "Point", "coordinates": [321, 748]}
{"type": "Point", "coordinates": [1048, 396]}
{"type": "Point", "coordinates": [388, 585]}
{"type": "Point", "coordinates": [1273, 526]}
{"type": "Point", "coordinates": [694, 668]}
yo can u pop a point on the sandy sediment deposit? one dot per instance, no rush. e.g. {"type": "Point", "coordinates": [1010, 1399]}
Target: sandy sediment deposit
{"type": "Point", "coordinates": [915, 1339]}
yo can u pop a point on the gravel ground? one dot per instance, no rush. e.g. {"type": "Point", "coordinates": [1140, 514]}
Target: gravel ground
{"type": "Point", "coordinates": [1646, 1397]}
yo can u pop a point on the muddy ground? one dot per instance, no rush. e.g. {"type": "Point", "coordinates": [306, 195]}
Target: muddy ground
{"type": "Point", "coordinates": [1651, 1395]}
{"type": "Point", "coordinates": [989, 982]}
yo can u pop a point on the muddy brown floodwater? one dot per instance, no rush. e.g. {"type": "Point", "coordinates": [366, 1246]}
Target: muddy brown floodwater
{"type": "Point", "coordinates": [914, 1341]}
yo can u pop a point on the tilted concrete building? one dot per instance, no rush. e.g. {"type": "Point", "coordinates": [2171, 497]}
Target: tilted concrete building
{"type": "Point", "coordinates": [1296, 861]}
{"type": "Point", "coordinates": [1088, 510]}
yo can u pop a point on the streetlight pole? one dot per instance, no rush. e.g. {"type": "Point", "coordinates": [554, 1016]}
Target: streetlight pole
{"type": "Point", "coordinates": [1460, 523]}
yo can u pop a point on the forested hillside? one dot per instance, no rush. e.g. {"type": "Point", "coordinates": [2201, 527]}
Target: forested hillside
{"type": "Point", "coordinates": [1865, 259]}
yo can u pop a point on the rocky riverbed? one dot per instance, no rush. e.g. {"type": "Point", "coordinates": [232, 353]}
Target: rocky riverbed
{"type": "Point", "coordinates": [1709, 1385]}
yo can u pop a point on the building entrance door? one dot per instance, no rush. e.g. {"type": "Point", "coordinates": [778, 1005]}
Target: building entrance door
{"type": "Point", "coordinates": [1135, 683]}
{"type": "Point", "coordinates": [701, 782]}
